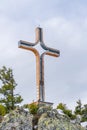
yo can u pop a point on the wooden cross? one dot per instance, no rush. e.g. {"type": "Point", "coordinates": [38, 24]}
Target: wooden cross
{"type": "Point", "coordinates": [39, 60]}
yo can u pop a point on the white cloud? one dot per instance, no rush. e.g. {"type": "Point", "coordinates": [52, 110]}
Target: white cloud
{"type": "Point", "coordinates": [72, 33]}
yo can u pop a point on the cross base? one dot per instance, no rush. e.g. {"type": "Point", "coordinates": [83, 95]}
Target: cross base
{"type": "Point", "coordinates": [41, 103]}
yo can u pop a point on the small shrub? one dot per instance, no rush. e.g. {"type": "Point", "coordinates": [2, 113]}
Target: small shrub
{"type": "Point", "coordinates": [33, 108]}
{"type": "Point", "coordinates": [2, 110]}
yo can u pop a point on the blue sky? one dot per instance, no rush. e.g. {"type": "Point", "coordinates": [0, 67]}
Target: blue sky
{"type": "Point", "coordinates": [64, 24]}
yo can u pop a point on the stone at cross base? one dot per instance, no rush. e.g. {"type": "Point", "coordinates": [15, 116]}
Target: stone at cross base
{"type": "Point", "coordinates": [39, 62]}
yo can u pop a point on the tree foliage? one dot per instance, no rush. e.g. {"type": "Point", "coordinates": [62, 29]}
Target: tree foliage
{"type": "Point", "coordinates": [66, 111]}
{"type": "Point", "coordinates": [33, 108]}
{"type": "Point", "coordinates": [2, 110]}
{"type": "Point", "coordinates": [81, 110]}
{"type": "Point", "coordinates": [61, 106]}
{"type": "Point", "coordinates": [8, 98]}
{"type": "Point", "coordinates": [84, 113]}
{"type": "Point", "coordinates": [78, 108]}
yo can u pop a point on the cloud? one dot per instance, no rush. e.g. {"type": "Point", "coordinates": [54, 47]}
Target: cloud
{"type": "Point", "coordinates": [72, 33]}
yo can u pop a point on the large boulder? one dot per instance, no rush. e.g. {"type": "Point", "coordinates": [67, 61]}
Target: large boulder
{"type": "Point", "coordinates": [46, 118]}
{"type": "Point", "coordinates": [18, 119]}
{"type": "Point", "coordinates": [50, 119]}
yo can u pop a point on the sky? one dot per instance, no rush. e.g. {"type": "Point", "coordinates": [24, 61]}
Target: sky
{"type": "Point", "coordinates": [64, 24]}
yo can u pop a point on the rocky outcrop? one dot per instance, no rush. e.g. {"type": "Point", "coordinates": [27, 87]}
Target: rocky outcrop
{"type": "Point", "coordinates": [50, 119]}
{"type": "Point", "coordinates": [45, 119]}
{"type": "Point", "coordinates": [18, 119]}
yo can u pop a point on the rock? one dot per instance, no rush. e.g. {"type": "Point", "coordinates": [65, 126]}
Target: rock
{"type": "Point", "coordinates": [52, 120]}
{"type": "Point", "coordinates": [1, 118]}
{"type": "Point", "coordinates": [84, 124]}
{"type": "Point", "coordinates": [45, 119]}
{"type": "Point", "coordinates": [43, 109]}
{"type": "Point", "coordinates": [18, 119]}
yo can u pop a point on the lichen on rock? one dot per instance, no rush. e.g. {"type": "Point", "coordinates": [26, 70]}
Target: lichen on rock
{"type": "Point", "coordinates": [18, 119]}
{"type": "Point", "coordinates": [46, 118]}
{"type": "Point", "coordinates": [50, 119]}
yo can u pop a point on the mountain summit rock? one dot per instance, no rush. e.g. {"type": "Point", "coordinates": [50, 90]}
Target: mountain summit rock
{"type": "Point", "coordinates": [46, 118]}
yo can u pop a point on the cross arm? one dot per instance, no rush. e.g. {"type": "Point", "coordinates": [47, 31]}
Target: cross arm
{"type": "Point", "coordinates": [30, 43]}
{"type": "Point", "coordinates": [50, 50]}
{"type": "Point", "coordinates": [27, 46]}
{"type": "Point", "coordinates": [21, 42]}
{"type": "Point", "coordinates": [39, 38]}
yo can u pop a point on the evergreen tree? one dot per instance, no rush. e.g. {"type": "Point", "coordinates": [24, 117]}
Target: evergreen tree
{"type": "Point", "coordinates": [78, 108]}
{"type": "Point", "coordinates": [8, 98]}
{"type": "Point", "coordinates": [61, 106]}
{"type": "Point", "coordinates": [66, 111]}
{"type": "Point", "coordinates": [84, 113]}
